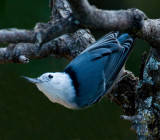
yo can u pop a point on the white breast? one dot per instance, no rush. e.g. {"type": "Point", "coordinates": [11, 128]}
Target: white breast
{"type": "Point", "coordinates": [60, 90]}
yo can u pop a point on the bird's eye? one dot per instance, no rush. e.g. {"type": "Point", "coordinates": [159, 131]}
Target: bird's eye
{"type": "Point", "coordinates": [50, 76]}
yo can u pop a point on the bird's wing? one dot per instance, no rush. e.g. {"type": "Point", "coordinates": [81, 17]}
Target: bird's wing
{"type": "Point", "coordinates": [94, 70]}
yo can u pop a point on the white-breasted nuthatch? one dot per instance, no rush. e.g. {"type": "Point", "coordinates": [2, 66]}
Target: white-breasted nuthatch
{"type": "Point", "coordinates": [90, 75]}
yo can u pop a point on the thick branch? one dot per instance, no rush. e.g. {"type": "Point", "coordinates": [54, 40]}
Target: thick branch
{"type": "Point", "coordinates": [16, 35]}
{"type": "Point", "coordinates": [133, 21]}
{"type": "Point", "coordinates": [41, 33]}
{"type": "Point", "coordinates": [151, 32]}
{"type": "Point", "coordinates": [68, 46]}
{"type": "Point", "coordinates": [62, 21]}
{"type": "Point", "coordinates": [122, 20]}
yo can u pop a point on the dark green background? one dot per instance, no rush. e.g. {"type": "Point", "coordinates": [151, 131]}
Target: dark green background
{"type": "Point", "coordinates": [25, 113]}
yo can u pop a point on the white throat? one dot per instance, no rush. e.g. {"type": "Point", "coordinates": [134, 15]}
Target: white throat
{"type": "Point", "coordinates": [59, 89]}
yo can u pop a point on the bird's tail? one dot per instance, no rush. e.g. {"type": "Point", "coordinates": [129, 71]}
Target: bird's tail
{"type": "Point", "coordinates": [125, 39]}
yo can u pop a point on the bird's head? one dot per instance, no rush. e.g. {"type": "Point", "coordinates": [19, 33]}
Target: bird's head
{"type": "Point", "coordinates": [57, 87]}
{"type": "Point", "coordinates": [47, 81]}
{"type": "Point", "coordinates": [46, 77]}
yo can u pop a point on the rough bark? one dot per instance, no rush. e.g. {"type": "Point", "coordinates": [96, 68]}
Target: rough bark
{"type": "Point", "coordinates": [67, 45]}
{"type": "Point", "coordinates": [123, 20]}
{"type": "Point", "coordinates": [65, 35]}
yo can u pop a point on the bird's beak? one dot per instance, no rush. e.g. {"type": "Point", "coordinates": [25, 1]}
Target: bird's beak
{"type": "Point", "coordinates": [32, 80]}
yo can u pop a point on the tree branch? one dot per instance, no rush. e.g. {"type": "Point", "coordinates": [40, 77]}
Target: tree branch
{"type": "Point", "coordinates": [133, 21]}
{"type": "Point", "coordinates": [150, 32]}
{"type": "Point", "coordinates": [14, 35]}
{"type": "Point", "coordinates": [62, 21]}
{"type": "Point", "coordinates": [41, 33]}
{"type": "Point", "coordinates": [68, 46]}
{"type": "Point", "coordinates": [121, 20]}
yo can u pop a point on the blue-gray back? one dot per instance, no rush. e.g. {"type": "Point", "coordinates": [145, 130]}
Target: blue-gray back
{"type": "Point", "coordinates": [96, 68]}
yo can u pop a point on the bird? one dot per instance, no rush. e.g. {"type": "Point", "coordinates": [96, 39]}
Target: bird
{"type": "Point", "coordinates": [89, 76]}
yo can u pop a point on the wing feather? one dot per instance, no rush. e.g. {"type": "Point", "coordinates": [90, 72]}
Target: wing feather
{"type": "Point", "coordinates": [95, 69]}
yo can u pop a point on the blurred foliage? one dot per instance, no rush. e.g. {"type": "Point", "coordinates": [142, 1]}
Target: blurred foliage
{"type": "Point", "coordinates": [25, 113]}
